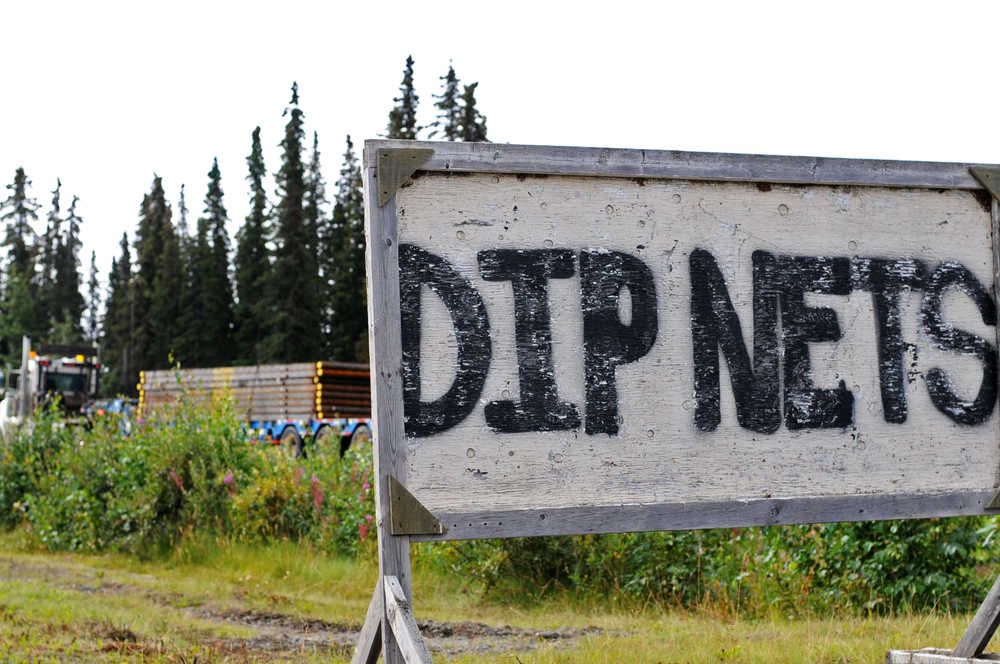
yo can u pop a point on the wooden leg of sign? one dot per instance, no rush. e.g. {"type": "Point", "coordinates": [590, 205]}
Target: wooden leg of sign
{"type": "Point", "coordinates": [404, 626]}
{"type": "Point", "coordinates": [394, 561]}
{"type": "Point", "coordinates": [972, 644]}
{"type": "Point", "coordinates": [984, 623]}
{"type": "Point", "coordinates": [370, 640]}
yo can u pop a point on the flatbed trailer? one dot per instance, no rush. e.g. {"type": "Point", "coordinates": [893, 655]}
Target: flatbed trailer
{"type": "Point", "coordinates": [307, 407]}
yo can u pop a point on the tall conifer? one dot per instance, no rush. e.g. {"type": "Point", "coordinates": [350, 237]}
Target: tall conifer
{"type": "Point", "coordinates": [152, 234]}
{"type": "Point", "coordinates": [448, 121]}
{"type": "Point", "coordinates": [164, 308]}
{"type": "Point", "coordinates": [473, 123]}
{"type": "Point", "coordinates": [92, 323]}
{"type": "Point", "coordinates": [69, 303]}
{"type": "Point", "coordinates": [403, 116]}
{"type": "Point", "coordinates": [18, 308]}
{"type": "Point", "coordinates": [118, 325]}
{"type": "Point", "coordinates": [253, 266]}
{"type": "Point", "coordinates": [19, 211]}
{"type": "Point", "coordinates": [217, 294]}
{"type": "Point", "coordinates": [46, 303]}
{"type": "Point", "coordinates": [347, 314]}
{"type": "Point", "coordinates": [314, 202]}
{"type": "Point", "coordinates": [292, 293]}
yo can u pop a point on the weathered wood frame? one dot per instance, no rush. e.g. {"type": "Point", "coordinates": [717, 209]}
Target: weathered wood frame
{"type": "Point", "coordinates": [386, 353]}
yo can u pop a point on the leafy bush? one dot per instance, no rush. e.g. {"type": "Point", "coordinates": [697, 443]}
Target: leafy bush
{"type": "Point", "coordinates": [865, 567]}
{"type": "Point", "coordinates": [25, 459]}
{"type": "Point", "coordinates": [327, 501]}
{"type": "Point", "coordinates": [190, 469]}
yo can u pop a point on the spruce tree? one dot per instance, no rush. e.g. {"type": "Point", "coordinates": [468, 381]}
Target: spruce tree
{"type": "Point", "coordinates": [253, 266]}
{"type": "Point", "coordinates": [69, 305]}
{"type": "Point", "coordinates": [183, 232]}
{"type": "Point", "coordinates": [448, 121]}
{"type": "Point", "coordinates": [403, 116]}
{"type": "Point", "coordinates": [153, 231]}
{"type": "Point", "coordinates": [314, 203]}
{"type": "Point", "coordinates": [189, 343]}
{"type": "Point", "coordinates": [118, 326]}
{"type": "Point", "coordinates": [47, 303]}
{"type": "Point", "coordinates": [217, 291]}
{"type": "Point", "coordinates": [347, 314]}
{"type": "Point", "coordinates": [19, 211]}
{"type": "Point", "coordinates": [164, 307]}
{"type": "Point", "coordinates": [19, 293]}
{"type": "Point", "coordinates": [473, 123]}
{"type": "Point", "coordinates": [92, 323]}
{"type": "Point", "coordinates": [292, 293]}
{"type": "Point", "coordinates": [18, 314]}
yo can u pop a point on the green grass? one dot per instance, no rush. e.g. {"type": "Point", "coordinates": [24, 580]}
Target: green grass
{"type": "Point", "coordinates": [117, 608]}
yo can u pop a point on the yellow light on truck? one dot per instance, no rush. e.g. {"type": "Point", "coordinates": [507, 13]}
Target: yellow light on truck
{"type": "Point", "coordinates": [80, 358]}
{"type": "Point", "coordinates": [33, 354]}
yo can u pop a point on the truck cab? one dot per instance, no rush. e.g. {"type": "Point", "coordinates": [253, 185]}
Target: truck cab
{"type": "Point", "coordinates": [69, 373]}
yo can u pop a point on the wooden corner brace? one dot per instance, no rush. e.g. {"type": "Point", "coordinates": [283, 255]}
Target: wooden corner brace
{"type": "Point", "coordinates": [394, 166]}
{"type": "Point", "coordinates": [407, 516]}
{"type": "Point", "coordinates": [989, 177]}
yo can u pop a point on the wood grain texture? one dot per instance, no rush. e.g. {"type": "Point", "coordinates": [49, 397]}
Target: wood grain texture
{"type": "Point", "coordinates": [585, 520]}
{"type": "Point", "coordinates": [659, 459]}
{"type": "Point", "coordinates": [387, 424]}
{"type": "Point", "coordinates": [983, 625]}
{"type": "Point", "coordinates": [616, 162]}
{"type": "Point", "coordinates": [404, 625]}
{"type": "Point", "coordinates": [370, 639]}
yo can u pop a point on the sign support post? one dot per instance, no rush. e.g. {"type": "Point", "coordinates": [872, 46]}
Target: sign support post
{"type": "Point", "coordinates": [389, 625]}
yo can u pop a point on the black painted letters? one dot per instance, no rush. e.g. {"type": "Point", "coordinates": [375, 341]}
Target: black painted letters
{"type": "Point", "coordinates": [529, 270]}
{"type": "Point", "coordinates": [472, 333]}
{"type": "Point", "coordinates": [947, 337]}
{"type": "Point", "coordinates": [607, 343]}
{"type": "Point", "coordinates": [715, 325]}
{"type": "Point", "coordinates": [783, 328]}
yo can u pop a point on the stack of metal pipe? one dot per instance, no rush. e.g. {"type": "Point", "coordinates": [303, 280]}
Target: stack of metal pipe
{"type": "Point", "coordinates": [300, 391]}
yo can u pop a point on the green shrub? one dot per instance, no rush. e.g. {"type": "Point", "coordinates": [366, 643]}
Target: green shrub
{"type": "Point", "coordinates": [327, 501]}
{"type": "Point", "coordinates": [26, 457]}
{"type": "Point", "coordinates": [191, 471]}
{"type": "Point", "coordinates": [864, 567]}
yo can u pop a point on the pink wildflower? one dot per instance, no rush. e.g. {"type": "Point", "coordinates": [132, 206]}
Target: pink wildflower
{"type": "Point", "coordinates": [317, 493]}
{"type": "Point", "coordinates": [298, 474]}
{"type": "Point", "coordinates": [177, 480]}
{"type": "Point", "coordinates": [363, 530]}
{"type": "Point", "coordinates": [230, 483]}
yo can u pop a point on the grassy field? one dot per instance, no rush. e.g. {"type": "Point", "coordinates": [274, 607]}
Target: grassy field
{"type": "Point", "coordinates": [284, 603]}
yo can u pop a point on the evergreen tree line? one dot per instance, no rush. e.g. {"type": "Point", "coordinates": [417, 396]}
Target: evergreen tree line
{"type": "Point", "coordinates": [291, 289]}
{"type": "Point", "coordinates": [40, 278]}
{"type": "Point", "coordinates": [295, 289]}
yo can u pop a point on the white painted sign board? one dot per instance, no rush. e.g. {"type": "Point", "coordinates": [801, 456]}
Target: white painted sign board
{"type": "Point", "coordinates": [572, 340]}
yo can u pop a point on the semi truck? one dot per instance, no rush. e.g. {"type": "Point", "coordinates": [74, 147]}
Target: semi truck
{"type": "Point", "coordinates": [307, 407]}
{"type": "Point", "coordinates": [67, 372]}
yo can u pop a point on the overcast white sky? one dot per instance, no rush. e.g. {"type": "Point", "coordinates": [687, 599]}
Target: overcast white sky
{"type": "Point", "coordinates": [104, 94]}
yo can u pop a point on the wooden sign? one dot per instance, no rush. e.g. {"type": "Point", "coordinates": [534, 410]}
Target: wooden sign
{"type": "Point", "coordinates": [571, 340]}
{"type": "Point", "coordinates": [596, 340]}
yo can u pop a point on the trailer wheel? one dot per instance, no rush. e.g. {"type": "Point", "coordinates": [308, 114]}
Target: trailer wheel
{"type": "Point", "coordinates": [291, 442]}
{"type": "Point", "coordinates": [326, 441]}
{"type": "Point", "coordinates": [360, 440]}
